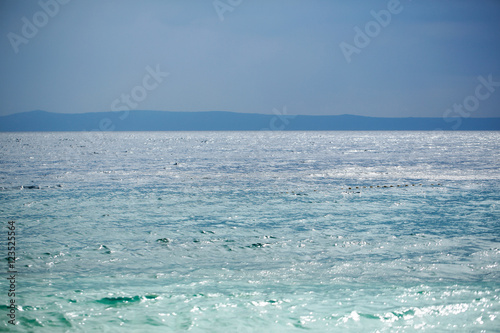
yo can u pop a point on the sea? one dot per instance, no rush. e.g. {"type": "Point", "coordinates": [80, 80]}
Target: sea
{"type": "Point", "coordinates": [262, 231]}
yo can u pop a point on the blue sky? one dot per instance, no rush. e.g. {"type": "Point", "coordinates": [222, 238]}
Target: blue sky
{"type": "Point", "coordinates": [251, 56]}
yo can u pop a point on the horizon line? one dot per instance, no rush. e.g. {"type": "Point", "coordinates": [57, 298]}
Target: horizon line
{"type": "Point", "coordinates": [236, 112]}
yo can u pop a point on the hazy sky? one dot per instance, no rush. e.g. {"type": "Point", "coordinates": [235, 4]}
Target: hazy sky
{"type": "Point", "coordinates": [366, 57]}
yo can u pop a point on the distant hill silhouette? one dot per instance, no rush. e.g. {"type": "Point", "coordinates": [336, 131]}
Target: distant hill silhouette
{"type": "Point", "coordinates": [226, 121]}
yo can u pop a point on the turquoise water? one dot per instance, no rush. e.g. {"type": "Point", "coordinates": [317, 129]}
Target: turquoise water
{"type": "Point", "coordinates": [253, 231]}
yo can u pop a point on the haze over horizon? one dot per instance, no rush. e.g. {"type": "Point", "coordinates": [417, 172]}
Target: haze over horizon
{"type": "Point", "coordinates": [371, 58]}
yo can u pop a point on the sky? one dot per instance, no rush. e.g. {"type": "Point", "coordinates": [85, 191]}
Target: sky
{"type": "Point", "coordinates": [389, 58]}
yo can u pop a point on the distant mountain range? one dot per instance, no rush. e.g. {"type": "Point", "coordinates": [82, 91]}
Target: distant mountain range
{"type": "Point", "coordinates": [227, 121]}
